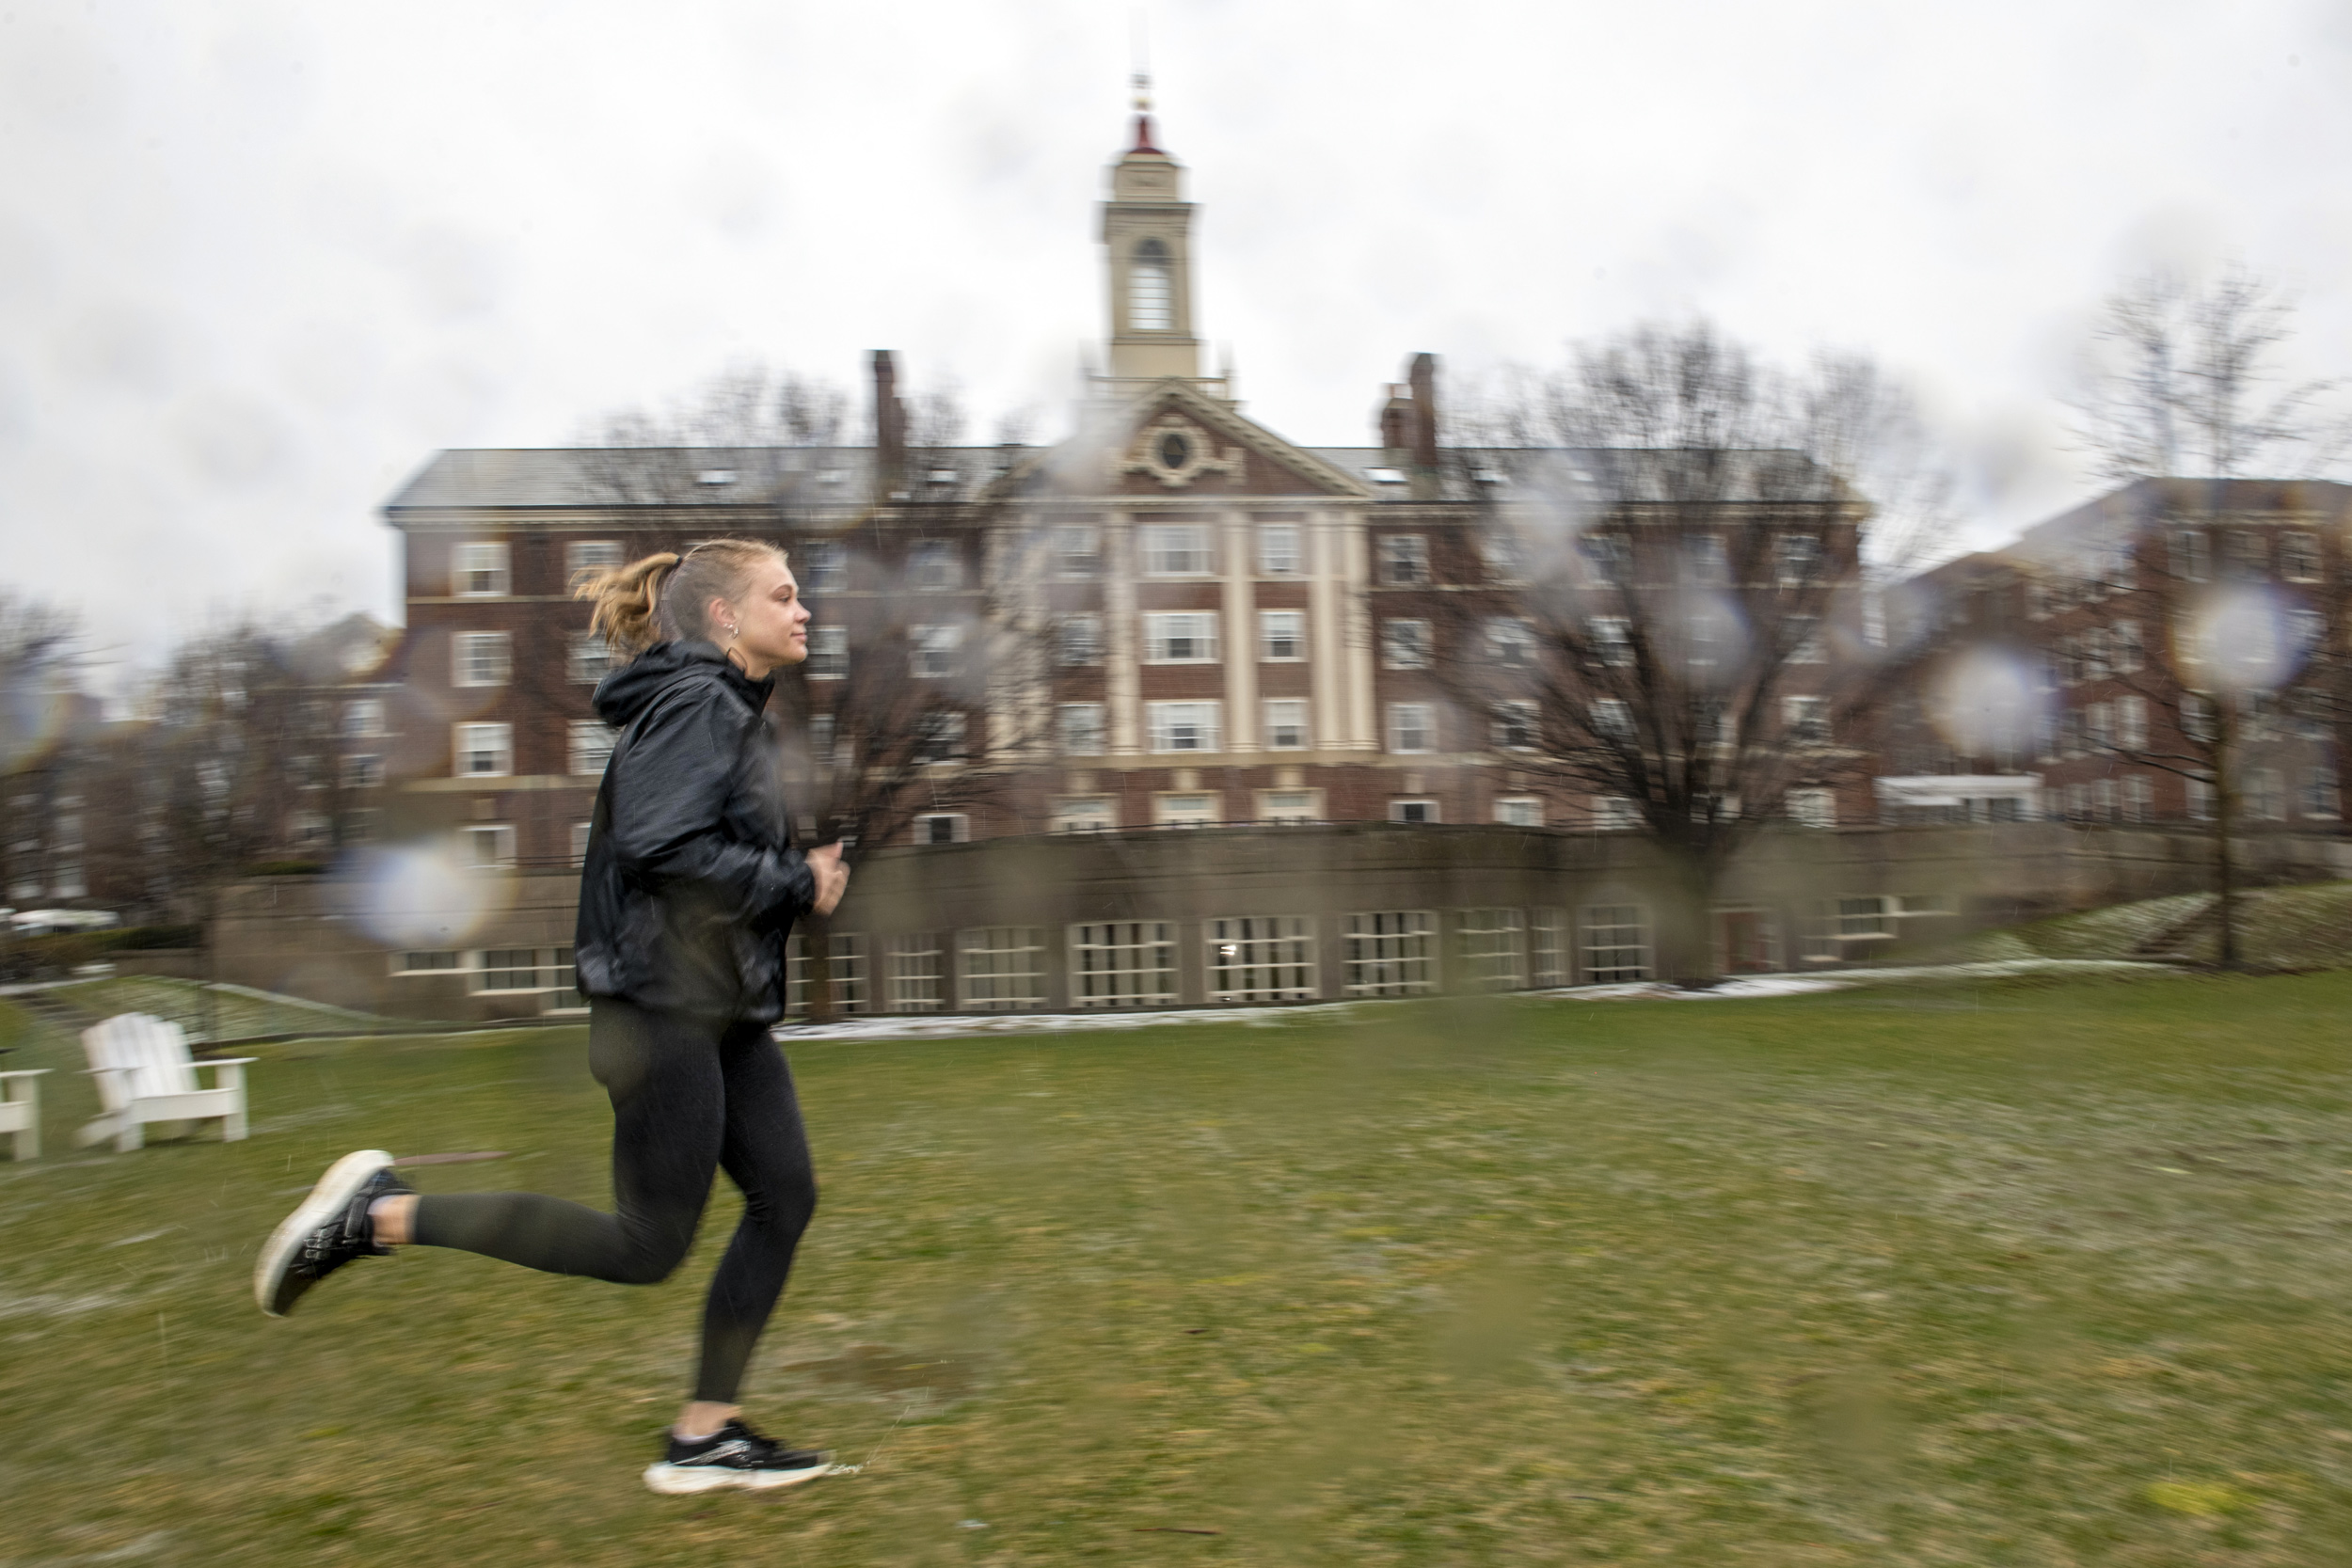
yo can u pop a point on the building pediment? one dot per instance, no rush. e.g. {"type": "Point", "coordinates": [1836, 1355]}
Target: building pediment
{"type": "Point", "coordinates": [1173, 441]}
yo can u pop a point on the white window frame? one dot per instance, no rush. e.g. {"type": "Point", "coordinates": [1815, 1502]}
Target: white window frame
{"type": "Point", "coordinates": [1078, 640]}
{"type": "Point", "coordinates": [933, 651]}
{"type": "Point", "coordinates": [1409, 721]}
{"type": "Point", "coordinates": [934, 566]}
{"type": "Point", "coordinates": [1079, 729]}
{"type": "Point", "coordinates": [1519, 718]}
{"type": "Point", "coordinates": [1287, 717]}
{"type": "Point", "coordinates": [1280, 628]}
{"type": "Point", "coordinates": [1548, 961]}
{"type": "Point", "coordinates": [1178, 550]}
{"type": "Point", "coordinates": [1289, 807]}
{"type": "Point", "coordinates": [1491, 947]}
{"type": "Point", "coordinates": [487, 560]}
{"type": "Point", "coordinates": [1086, 814]}
{"type": "Point", "coordinates": [2299, 557]}
{"type": "Point", "coordinates": [1511, 641]}
{"type": "Point", "coordinates": [943, 738]}
{"type": "Point", "coordinates": [488, 845]}
{"type": "Point", "coordinates": [519, 971]}
{"type": "Point", "coordinates": [1260, 959]}
{"type": "Point", "coordinates": [1000, 969]}
{"type": "Point", "coordinates": [828, 653]}
{"type": "Point", "coordinates": [1405, 643]}
{"type": "Point", "coordinates": [493, 740]}
{"type": "Point", "coordinates": [1123, 963]}
{"type": "Point", "coordinates": [1206, 718]}
{"type": "Point", "coordinates": [1187, 808]}
{"type": "Point", "coordinates": [1805, 719]}
{"type": "Point", "coordinates": [828, 563]}
{"type": "Point", "coordinates": [481, 658]}
{"type": "Point", "coordinates": [1389, 953]}
{"type": "Point", "coordinates": [581, 835]}
{"type": "Point", "coordinates": [1519, 811]}
{"type": "Point", "coordinates": [1282, 552]}
{"type": "Point", "coordinates": [1419, 811]}
{"type": "Point", "coordinates": [587, 659]}
{"type": "Point", "coordinates": [1812, 807]}
{"type": "Point", "coordinates": [1195, 632]}
{"type": "Point", "coordinates": [927, 825]}
{"type": "Point", "coordinates": [1615, 814]}
{"type": "Point", "coordinates": [1077, 551]}
{"type": "Point", "coordinates": [363, 771]}
{"type": "Point", "coordinates": [363, 719]}
{"type": "Point", "coordinates": [846, 962]}
{"type": "Point", "coordinates": [589, 555]}
{"type": "Point", "coordinates": [589, 747]}
{"type": "Point", "coordinates": [1403, 560]}
{"type": "Point", "coordinates": [914, 972]}
{"type": "Point", "coordinates": [1613, 945]}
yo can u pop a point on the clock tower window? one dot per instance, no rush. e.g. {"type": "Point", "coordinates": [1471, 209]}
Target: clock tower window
{"type": "Point", "coordinates": [1150, 294]}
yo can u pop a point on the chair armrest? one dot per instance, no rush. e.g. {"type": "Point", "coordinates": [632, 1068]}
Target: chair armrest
{"type": "Point", "coordinates": [221, 1061]}
{"type": "Point", "coordinates": [25, 1073]}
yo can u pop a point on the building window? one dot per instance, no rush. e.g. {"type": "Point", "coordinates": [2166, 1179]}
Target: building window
{"type": "Point", "coordinates": [1801, 636]}
{"type": "Point", "coordinates": [1077, 550]}
{"type": "Point", "coordinates": [580, 844]}
{"type": "Point", "coordinates": [2192, 556]}
{"type": "Point", "coordinates": [2138, 798]}
{"type": "Point", "coordinates": [1615, 943]}
{"type": "Point", "coordinates": [1260, 959]}
{"type": "Point", "coordinates": [1079, 726]}
{"type": "Point", "coordinates": [2131, 724]}
{"type": "Point", "coordinates": [916, 973]}
{"type": "Point", "coordinates": [2124, 650]}
{"type": "Point", "coordinates": [1180, 637]}
{"type": "Point", "coordinates": [1710, 566]}
{"type": "Point", "coordinates": [2265, 795]}
{"type": "Point", "coordinates": [1286, 724]}
{"type": "Point", "coordinates": [1404, 645]}
{"type": "Point", "coordinates": [2299, 556]}
{"type": "Point", "coordinates": [363, 772]}
{"type": "Point", "coordinates": [824, 566]}
{"type": "Point", "coordinates": [484, 751]}
{"type": "Point", "coordinates": [1090, 813]}
{"type": "Point", "coordinates": [1511, 641]}
{"type": "Point", "coordinates": [2099, 726]}
{"type": "Point", "coordinates": [1002, 968]}
{"type": "Point", "coordinates": [943, 827]}
{"type": "Point", "coordinates": [1812, 808]}
{"type": "Point", "coordinates": [1807, 719]}
{"type": "Point", "coordinates": [1505, 557]}
{"type": "Point", "coordinates": [1412, 728]}
{"type": "Point", "coordinates": [1126, 963]}
{"type": "Point", "coordinates": [1493, 948]}
{"type": "Point", "coordinates": [1186, 811]}
{"type": "Point", "coordinates": [1186, 726]}
{"type": "Point", "coordinates": [488, 845]}
{"type": "Point", "coordinates": [1547, 948]}
{"type": "Point", "coordinates": [933, 566]}
{"type": "Point", "coordinates": [1282, 635]}
{"type": "Point", "coordinates": [1608, 559]}
{"type": "Point", "coordinates": [934, 650]}
{"type": "Point", "coordinates": [1612, 719]}
{"type": "Point", "coordinates": [1519, 811]}
{"type": "Point", "coordinates": [1151, 293]}
{"type": "Point", "coordinates": [846, 960]}
{"type": "Point", "coordinates": [592, 745]}
{"type": "Point", "coordinates": [2102, 803]}
{"type": "Point", "coordinates": [828, 653]}
{"type": "Point", "coordinates": [939, 737]}
{"type": "Point", "coordinates": [1078, 640]}
{"type": "Point", "coordinates": [2322, 799]}
{"type": "Point", "coordinates": [1418, 813]}
{"type": "Point", "coordinates": [1515, 726]}
{"type": "Point", "coordinates": [2200, 798]}
{"type": "Point", "coordinates": [1615, 814]}
{"type": "Point", "coordinates": [588, 659]}
{"type": "Point", "coordinates": [1277, 550]}
{"type": "Point", "coordinates": [443, 962]}
{"type": "Point", "coordinates": [822, 732]}
{"type": "Point", "coordinates": [478, 570]}
{"type": "Point", "coordinates": [1403, 560]}
{"type": "Point", "coordinates": [1176, 550]}
{"type": "Point", "coordinates": [363, 720]}
{"type": "Point", "coordinates": [1799, 559]}
{"type": "Point", "coordinates": [481, 658]}
{"type": "Point", "coordinates": [1289, 807]}
{"type": "Point", "coordinates": [513, 969]}
{"type": "Point", "coordinates": [1389, 953]}
{"type": "Point", "coordinates": [589, 555]}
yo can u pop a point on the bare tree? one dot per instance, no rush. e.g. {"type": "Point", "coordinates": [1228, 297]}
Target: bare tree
{"type": "Point", "coordinates": [741, 433]}
{"type": "Point", "coordinates": [2177, 381]}
{"type": "Point", "coordinates": [1672, 620]}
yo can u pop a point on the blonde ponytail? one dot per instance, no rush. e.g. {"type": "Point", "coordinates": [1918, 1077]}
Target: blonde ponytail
{"type": "Point", "coordinates": [666, 597]}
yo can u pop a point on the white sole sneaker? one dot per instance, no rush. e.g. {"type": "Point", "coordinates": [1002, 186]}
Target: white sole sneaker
{"type": "Point", "coordinates": [680, 1480]}
{"type": "Point", "coordinates": [331, 1197]}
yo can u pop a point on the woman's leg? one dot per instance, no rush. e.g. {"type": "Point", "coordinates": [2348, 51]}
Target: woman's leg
{"type": "Point", "coordinates": [669, 1124]}
{"type": "Point", "coordinates": [765, 1152]}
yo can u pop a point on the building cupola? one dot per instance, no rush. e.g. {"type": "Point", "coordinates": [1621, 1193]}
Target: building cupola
{"type": "Point", "coordinates": [1147, 236]}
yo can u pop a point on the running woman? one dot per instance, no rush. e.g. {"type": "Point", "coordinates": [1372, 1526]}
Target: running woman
{"type": "Point", "coordinates": [691, 886]}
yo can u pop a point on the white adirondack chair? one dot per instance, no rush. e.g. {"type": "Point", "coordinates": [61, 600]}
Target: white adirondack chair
{"type": "Point", "coordinates": [19, 1110]}
{"type": "Point", "coordinates": [144, 1074]}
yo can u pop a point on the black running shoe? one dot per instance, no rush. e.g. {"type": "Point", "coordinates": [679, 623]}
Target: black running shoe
{"type": "Point", "coordinates": [328, 1229]}
{"type": "Point", "coordinates": [735, 1455]}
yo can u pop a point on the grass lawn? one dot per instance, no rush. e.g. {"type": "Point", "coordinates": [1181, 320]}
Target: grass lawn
{"type": "Point", "coordinates": [2035, 1272]}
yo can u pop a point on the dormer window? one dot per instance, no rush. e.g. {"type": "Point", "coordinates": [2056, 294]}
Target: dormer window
{"type": "Point", "coordinates": [1149, 291]}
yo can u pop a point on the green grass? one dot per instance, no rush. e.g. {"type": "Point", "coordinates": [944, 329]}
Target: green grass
{"type": "Point", "coordinates": [2034, 1272]}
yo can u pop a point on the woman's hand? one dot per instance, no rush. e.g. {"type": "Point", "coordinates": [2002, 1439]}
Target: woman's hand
{"type": "Point", "coordinates": [833, 877]}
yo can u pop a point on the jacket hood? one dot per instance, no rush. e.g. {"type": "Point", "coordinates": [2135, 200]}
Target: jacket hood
{"type": "Point", "coordinates": [627, 691]}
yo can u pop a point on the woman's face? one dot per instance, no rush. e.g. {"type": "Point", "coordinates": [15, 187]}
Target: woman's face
{"type": "Point", "coordinates": [770, 621]}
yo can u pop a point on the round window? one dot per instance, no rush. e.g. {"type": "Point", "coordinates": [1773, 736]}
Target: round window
{"type": "Point", "coordinates": [1175, 450]}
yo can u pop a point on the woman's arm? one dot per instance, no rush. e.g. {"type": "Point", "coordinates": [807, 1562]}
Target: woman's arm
{"type": "Point", "coordinates": [670, 793]}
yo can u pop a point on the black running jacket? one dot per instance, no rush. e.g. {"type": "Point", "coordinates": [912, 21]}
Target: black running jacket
{"type": "Point", "coordinates": [690, 883]}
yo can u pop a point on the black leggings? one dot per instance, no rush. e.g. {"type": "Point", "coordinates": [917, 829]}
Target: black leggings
{"type": "Point", "coordinates": [688, 1097]}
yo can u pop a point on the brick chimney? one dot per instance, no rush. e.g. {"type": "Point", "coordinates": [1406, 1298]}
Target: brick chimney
{"type": "Point", "coordinates": [890, 428]}
{"type": "Point", "coordinates": [1396, 418]}
{"type": "Point", "coordinates": [1423, 381]}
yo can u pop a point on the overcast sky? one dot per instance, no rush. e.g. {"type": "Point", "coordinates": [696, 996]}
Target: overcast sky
{"type": "Point", "coordinates": [259, 261]}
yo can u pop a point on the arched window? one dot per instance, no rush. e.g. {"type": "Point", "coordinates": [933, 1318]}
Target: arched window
{"type": "Point", "coordinates": [1148, 290]}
